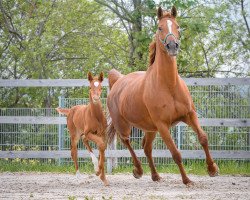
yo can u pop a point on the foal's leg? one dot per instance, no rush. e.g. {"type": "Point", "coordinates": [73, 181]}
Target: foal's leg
{"type": "Point", "coordinates": [92, 155]}
{"type": "Point", "coordinates": [147, 146]}
{"type": "Point", "coordinates": [166, 136]}
{"type": "Point", "coordinates": [101, 145]}
{"type": "Point", "coordinates": [192, 120]}
{"type": "Point", "coordinates": [74, 140]}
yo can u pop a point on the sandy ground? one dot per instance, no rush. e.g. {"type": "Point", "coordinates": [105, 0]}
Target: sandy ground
{"type": "Point", "coordinates": [122, 186]}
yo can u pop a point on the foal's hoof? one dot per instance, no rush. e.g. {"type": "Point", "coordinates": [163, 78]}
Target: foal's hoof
{"type": "Point", "coordinates": [213, 170]}
{"type": "Point", "coordinates": [106, 183]}
{"type": "Point", "coordinates": [98, 173]}
{"type": "Point", "coordinates": [156, 177]}
{"type": "Point", "coordinates": [136, 174]}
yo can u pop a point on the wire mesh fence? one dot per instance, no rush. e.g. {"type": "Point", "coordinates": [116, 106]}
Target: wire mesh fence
{"type": "Point", "coordinates": [213, 101]}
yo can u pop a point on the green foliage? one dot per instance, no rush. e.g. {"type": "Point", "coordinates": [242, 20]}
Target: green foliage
{"type": "Point", "coordinates": [66, 39]}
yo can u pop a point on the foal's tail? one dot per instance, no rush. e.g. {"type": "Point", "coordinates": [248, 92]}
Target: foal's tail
{"type": "Point", "coordinates": [113, 76]}
{"type": "Point", "coordinates": [64, 111]}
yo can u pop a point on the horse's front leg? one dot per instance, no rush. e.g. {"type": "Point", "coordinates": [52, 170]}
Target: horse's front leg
{"type": "Point", "coordinates": [147, 145]}
{"type": "Point", "coordinates": [192, 120]}
{"type": "Point", "coordinates": [166, 136]}
{"type": "Point", "coordinates": [101, 145]}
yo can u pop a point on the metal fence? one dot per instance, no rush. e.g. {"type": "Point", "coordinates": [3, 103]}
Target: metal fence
{"type": "Point", "coordinates": [222, 106]}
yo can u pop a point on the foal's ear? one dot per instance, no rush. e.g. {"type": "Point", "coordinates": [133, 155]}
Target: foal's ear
{"type": "Point", "coordinates": [159, 12]}
{"type": "Point", "coordinates": [174, 11]}
{"type": "Point", "coordinates": [90, 77]}
{"type": "Point", "coordinates": [100, 78]}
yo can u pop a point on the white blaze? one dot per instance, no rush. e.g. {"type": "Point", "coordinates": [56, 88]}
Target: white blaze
{"type": "Point", "coordinates": [169, 23]}
{"type": "Point", "coordinates": [96, 84]}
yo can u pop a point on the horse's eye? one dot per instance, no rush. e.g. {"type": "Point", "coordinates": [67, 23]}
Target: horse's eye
{"type": "Point", "coordinates": [159, 28]}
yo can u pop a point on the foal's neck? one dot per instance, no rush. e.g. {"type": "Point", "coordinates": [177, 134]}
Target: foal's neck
{"type": "Point", "coordinates": [96, 108]}
{"type": "Point", "coordinates": [166, 68]}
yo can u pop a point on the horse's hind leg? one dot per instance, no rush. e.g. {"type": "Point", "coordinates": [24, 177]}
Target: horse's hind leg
{"type": "Point", "coordinates": [192, 120]}
{"type": "Point", "coordinates": [74, 140]}
{"type": "Point", "coordinates": [124, 130]}
{"type": "Point", "coordinates": [137, 171]}
{"type": "Point", "coordinates": [147, 145]}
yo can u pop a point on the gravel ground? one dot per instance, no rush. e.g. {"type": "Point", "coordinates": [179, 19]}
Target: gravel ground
{"type": "Point", "coordinates": [122, 186]}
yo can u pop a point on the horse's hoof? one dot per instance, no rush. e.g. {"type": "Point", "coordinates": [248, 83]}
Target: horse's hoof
{"type": "Point", "coordinates": [136, 174]}
{"type": "Point", "coordinates": [156, 177]}
{"type": "Point", "coordinates": [190, 184]}
{"type": "Point", "coordinates": [213, 170]}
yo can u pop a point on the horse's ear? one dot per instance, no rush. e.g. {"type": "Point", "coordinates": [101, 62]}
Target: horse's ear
{"type": "Point", "coordinates": [159, 13]}
{"type": "Point", "coordinates": [90, 77]}
{"type": "Point", "coordinates": [101, 77]}
{"type": "Point", "coordinates": [174, 11]}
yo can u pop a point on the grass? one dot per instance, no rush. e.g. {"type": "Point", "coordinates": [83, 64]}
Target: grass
{"type": "Point", "coordinates": [197, 167]}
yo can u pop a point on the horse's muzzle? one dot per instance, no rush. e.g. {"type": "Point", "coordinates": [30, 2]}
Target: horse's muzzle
{"type": "Point", "coordinates": [172, 48]}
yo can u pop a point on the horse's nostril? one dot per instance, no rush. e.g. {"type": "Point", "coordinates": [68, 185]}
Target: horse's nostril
{"type": "Point", "coordinates": [177, 45]}
{"type": "Point", "coordinates": [168, 47]}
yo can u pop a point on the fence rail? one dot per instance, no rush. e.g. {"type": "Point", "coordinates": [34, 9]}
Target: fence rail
{"type": "Point", "coordinates": [192, 154]}
{"type": "Point", "coordinates": [62, 120]}
{"type": "Point", "coordinates": [84, 82]}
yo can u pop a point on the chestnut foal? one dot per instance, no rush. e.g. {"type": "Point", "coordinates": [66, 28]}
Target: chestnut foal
{"type": "Point", "coordinates": [89, 123]}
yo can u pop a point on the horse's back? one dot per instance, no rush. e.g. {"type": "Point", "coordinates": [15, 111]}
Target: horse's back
{"type": "Point", "coordinates": [128, 85]}
{"type": "Point", "coordinates": [113, 76]}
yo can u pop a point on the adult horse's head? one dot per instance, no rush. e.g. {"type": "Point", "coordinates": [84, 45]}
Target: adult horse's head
{"type": "Point", "coordinates": [168, 31]}
{"type": "Point", "coordinates": [95, 87]}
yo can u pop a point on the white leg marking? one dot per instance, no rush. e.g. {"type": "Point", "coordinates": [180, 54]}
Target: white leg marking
{"type": "Point", "coordinates": [94, 161]}
{"type": "Point", "coordinates": [78, 174]}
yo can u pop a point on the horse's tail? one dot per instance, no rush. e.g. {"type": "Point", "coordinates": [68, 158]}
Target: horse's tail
{"type": "Point", "coordinates": [113, 76]}
{"type": "Point", "coordinates": [64, 111]}
{"type": "Point", "coordinates": [110, 131]}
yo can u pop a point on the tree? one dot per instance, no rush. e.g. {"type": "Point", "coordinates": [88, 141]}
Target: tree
{"type": "Point", "coordinates": [48, 40]}
{"type": "Point", "coordinates": [137, 18]}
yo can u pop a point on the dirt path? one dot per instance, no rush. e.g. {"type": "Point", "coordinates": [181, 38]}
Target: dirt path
{"type": "Point", "coordinates": [122, 186]}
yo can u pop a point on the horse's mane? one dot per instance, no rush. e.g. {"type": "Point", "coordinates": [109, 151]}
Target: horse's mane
{"type": "Point", "coordinates": [152, 52]}
{"type": "Point", "coordinates": [152, 46]}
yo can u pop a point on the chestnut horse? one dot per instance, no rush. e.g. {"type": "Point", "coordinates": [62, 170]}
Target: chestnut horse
{"type": "Point", "coordinates": [89, 123]}
{"type": "Point", "coordinates": [155, 100]}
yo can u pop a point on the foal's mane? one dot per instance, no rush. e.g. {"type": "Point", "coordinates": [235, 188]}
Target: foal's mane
{"type": "Point", "coordinates": [152, 46]}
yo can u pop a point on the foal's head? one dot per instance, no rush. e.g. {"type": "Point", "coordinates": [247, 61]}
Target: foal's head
{"type": "Point", "coordinates": [95, 87]}
{"type": "Point", "coordinates": [168, 31]}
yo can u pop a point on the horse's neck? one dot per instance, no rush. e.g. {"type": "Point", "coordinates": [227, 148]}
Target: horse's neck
{"type": "Point", "coordinates": [165, 68]}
